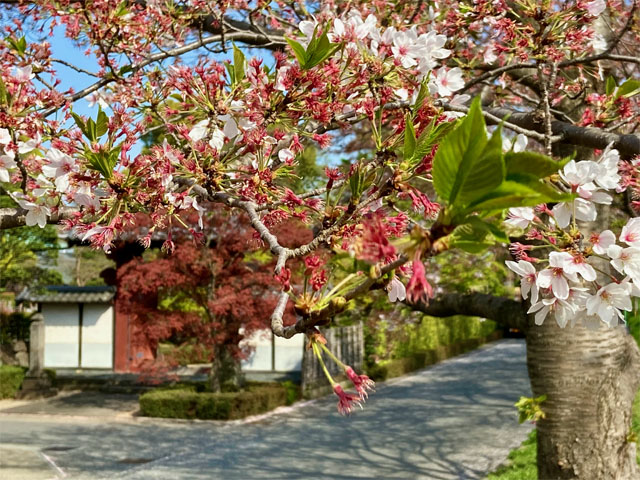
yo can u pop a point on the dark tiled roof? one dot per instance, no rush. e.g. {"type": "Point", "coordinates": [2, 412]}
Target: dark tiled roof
{"type": "Point", "coordinates": [68, 294]}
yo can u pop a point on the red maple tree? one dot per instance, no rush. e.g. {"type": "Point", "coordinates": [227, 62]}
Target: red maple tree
{"type": "Point", "coordinates": [210, 295]}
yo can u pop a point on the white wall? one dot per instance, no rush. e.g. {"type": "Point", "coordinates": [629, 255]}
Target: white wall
{"type": "Point", "coordinates": [288, 353]}
{"type": "Point", "coordinates": [97, 336]}
{"type": "Point", "coordinates": [60, 335]}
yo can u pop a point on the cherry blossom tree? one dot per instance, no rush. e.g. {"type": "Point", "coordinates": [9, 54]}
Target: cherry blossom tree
{"type": "Point", "coordinates": [554, 175]}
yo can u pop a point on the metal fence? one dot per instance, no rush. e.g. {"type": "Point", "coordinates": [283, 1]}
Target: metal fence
{"type": "Point", "coordinates": [346, 343]}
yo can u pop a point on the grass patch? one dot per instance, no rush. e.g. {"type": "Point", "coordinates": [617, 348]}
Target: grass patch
{"type": "Point", "coordinates": [521, 464]}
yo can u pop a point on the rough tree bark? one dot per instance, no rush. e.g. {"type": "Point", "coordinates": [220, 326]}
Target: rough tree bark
{"type": "Point", "coordinates": [590, 379]}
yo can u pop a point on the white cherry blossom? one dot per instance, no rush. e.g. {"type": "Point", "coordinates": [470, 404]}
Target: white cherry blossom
{"type": "Point", "coordinates": [625, 260]}
{"type": "Point", "coordinates": [396, 290]}
{"type": "Point", "coordinates": [217, 139]}
{"type": "Point", "coordinates": [520, 143]}
{"type": "Point", "coordinates": [607, 169]}
{"type": "Point", "coordinates": [85, 197]}
{"type": "Point", "coordinates": [285, 155]}
{"type": "Point", "coordinates": [563, 311]}
{"type": "Point", "coordinates": [445, 82]}
{"type": "Point", "coordinates": [600, 242]}
{"type": "Point", "coordinates": [578, 264]}
{"type": "Point", "coordinates": [528, 281]}
{"type": "Point", "coordinates": [520, 217]}
{"type": "Point", "coordinates": [199, 130]}
{"type": "Point", "coordinates": [5, 136]}
{"type": "Point", "coordinates": [556, 276]}
{"type": "Point", "coordinates": [6, 162]}
{"type": "Point", "coordinates": [631, 232]}
{"type": "Point", "coordinates": [596, 7]}
{"type": "Point", "coordinates": [404, 49]}
{"type": "Point", "coordinates": [29, 145]}
{"type": "Point", "coordinates": [609, 302]}
{"type": "Point", "coordinates": [59, 167]}
{"type": "Point", "coordinates": [23, 74]}
{"type": "Point", "coordinates": [36, 214]}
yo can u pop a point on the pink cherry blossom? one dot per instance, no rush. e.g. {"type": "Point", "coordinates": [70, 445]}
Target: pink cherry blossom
{"type": "Point", "coordinates": [346, 401]}
{"type": "Point", "coordinates": [362, 383]}
{"type": "Point", "coordinates": [419, 289]}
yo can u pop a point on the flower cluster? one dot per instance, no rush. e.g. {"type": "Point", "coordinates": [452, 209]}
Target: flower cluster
{"type": "Point", "coordinates": [591, 280]}
{"type": "Point", "coordinates": [362, 383]}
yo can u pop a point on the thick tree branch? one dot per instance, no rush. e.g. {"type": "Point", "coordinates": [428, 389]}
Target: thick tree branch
{"type": "Point", "coordinates": [627, 144]}
{"type": "Point", "coordinates": [501, 310]}
{"type": "Point", "coordinates": [16, 217]}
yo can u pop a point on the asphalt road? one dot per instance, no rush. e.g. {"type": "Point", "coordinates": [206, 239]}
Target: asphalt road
{"type": "Point", "coordinates": [455, 420]}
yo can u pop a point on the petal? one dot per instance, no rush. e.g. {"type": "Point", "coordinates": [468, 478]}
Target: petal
{"type": "Point", "coordinates": [560, 287]}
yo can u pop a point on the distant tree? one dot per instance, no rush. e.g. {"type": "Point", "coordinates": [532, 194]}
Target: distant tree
{"type": "Point", "coordinates": [217, 294]}
{"type": "Point", "coordinates": [25, 254]}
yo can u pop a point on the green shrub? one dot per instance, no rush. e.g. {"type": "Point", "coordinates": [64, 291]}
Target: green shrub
{"type": "Point", "coordinates": [10, 380]}
{"type": "Point", "coordinates": [416, 360]}
{"type": "Point", "coordinates": [14, 326]}
{"type": "Point", "coordinates": [190, 404]}
{"type": "Point", "coordinates": [294, 392]}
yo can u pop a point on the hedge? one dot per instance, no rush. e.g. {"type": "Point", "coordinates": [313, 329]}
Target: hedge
{"type": "Point", "coordinates": [10, 380]}
{"type": "Point", "coordinates": [190, 404]}
{"type": "Point", "coordinates": [401, 366]}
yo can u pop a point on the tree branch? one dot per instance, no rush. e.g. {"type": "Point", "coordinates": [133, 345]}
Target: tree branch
{"type": "Point", "coordinates": [16, 217]}
{"type": "Point", "coordinates": [627, 144]}
{"type": "Point", "coordinates": [501, 310]}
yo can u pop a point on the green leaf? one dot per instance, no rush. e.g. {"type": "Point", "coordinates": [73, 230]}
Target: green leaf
{"type": "Point", "coordinates": [4, 94]}
{"type": "Point", "coordinates": [103, 162]}
{"type": "Point", "coordinates": [298, 51]}
{"type": "Point", "coordinates": [80, 123]}
{"type": "Point", "coordinates": [422, 95]}
{"type": "Point", "coordinates": [92, 131]}
{"type": "Point", "coordinates": [102, 123]}
{"type": "Point", "coordinates": [355, 184]}
{"type": "Point", "coordinates": [319, 51]}
{"type": "Point", "coordinates": [409, 137]}
{"type": "Point", "coordinates": [611, 85]}
{"type": "Point", "coordinates": [470, 246]}
{"type": "Point", "coordinates": [430, 136]}
{"type": "Point", "coordinates": [531, 163]}
{"type": "Point", "coordinates": [467, 166]}
{"type": "Point", "coordinates": [523, 193]}
{"type": "Point", "coordinates": [125, 69]}
{"type": "Point", "coordinates": [231, 72]}
{"type": "Point", "coordinates": [628, 89]}
{"type": "Point", "coordinates": [19, 45]}
{"type": "Point", "coordinates": [238, 65]}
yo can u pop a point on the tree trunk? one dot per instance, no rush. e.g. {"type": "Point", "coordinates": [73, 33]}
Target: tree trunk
{"type": "Point", "coordinates": [590, 379]}
{"type": "Point", "coordinates": [226, 373]}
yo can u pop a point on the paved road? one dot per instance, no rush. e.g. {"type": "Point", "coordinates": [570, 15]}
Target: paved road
{"type": "Point", "coordinates": [455, 420]}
